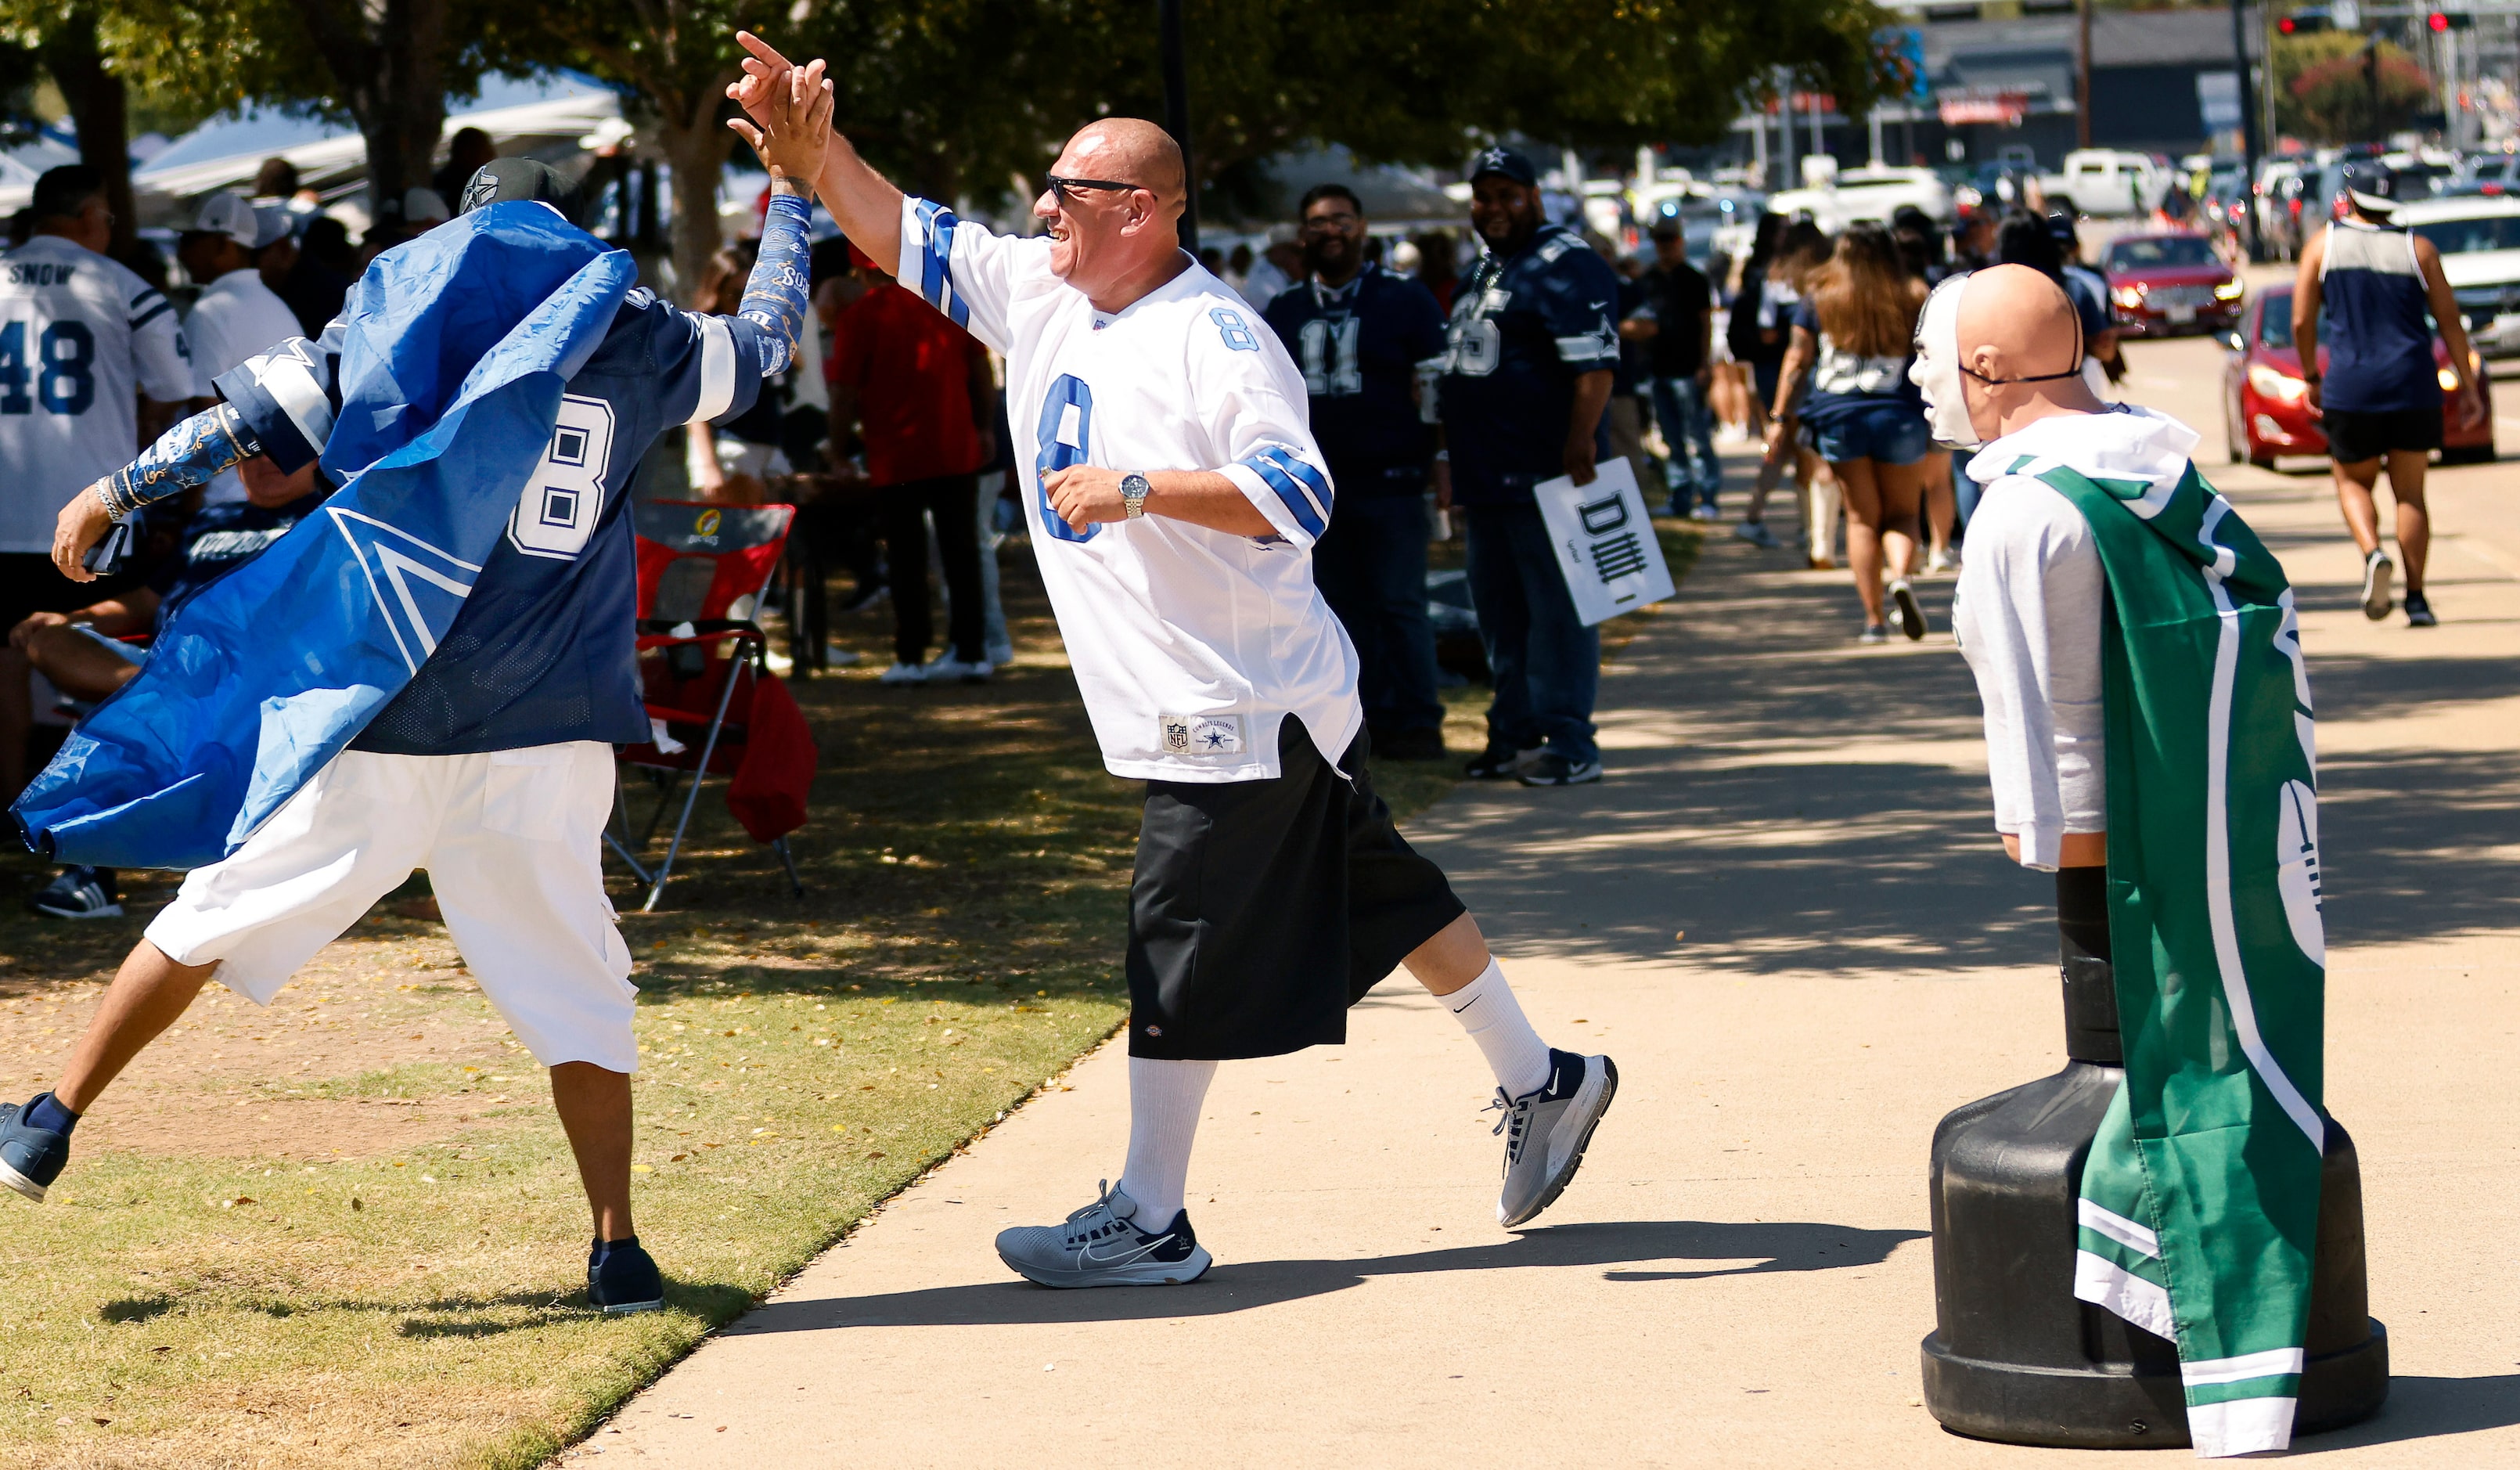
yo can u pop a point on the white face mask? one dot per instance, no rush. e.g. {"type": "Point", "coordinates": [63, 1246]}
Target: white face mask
{"type": "Point", "coordinates": [1936, 370]}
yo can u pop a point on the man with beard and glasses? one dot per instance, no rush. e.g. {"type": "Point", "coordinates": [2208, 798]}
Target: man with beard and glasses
{"type": "Point", "coordinates": [1370, 343]}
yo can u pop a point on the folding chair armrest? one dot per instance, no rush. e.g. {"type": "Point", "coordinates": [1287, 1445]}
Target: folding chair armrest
{"type": "Point", "coordinates": [743, 634]}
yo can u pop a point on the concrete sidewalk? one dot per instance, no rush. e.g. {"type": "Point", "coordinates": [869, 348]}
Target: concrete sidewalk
{"type": "Point", "coordinates": [1786, 918]}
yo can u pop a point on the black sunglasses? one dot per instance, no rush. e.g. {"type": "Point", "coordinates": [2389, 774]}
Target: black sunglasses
{"type": "Point", "coordinates": [1066, 189]}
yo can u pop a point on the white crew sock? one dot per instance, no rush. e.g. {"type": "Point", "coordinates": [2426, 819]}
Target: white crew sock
{"type": "Point", "coordinates": [1488, 1011]}
{"type": "Point", "coordinates": [1164, 1099]}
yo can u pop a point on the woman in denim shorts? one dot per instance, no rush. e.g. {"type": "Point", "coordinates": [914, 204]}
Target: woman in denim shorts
{"type": "Point", "coordinates": [1852, 335]}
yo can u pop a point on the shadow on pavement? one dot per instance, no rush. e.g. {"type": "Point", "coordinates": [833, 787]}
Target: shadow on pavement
{"type": "Point", "coordinates": [2424, 1408]}
{"type": "Point", "coordinates": [1763, 800]}
{"type": "Point", "coordinates": [1728, 1249]}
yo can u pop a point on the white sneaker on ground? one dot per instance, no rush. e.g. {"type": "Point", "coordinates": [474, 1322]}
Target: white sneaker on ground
{"type": "Point", "coordinates": [945, 669]}
{"type": "Point", "coordinates": [1906, 614]}
{"type": "Point", "coordinates": [1547, 1131]}
{"type": "Point", "coordinates": [1102, 1245]}
{"type": "Point", "coordinates": [904, 673]}
{"type": "Point", "coordinates": [2376, 571]}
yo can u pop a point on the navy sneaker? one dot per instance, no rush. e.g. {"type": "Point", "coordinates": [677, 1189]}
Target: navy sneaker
{"type": "Point", "coordinates": [622, 1278]}
{"type": "Point", "coordinates": [1497, 764]}
{"type": "Point", "coordinates": [2419, 613]}
{"type": "Point", "coordinates": [79, 893]}
{"type": "Point", "coordinates": [30, 1158]}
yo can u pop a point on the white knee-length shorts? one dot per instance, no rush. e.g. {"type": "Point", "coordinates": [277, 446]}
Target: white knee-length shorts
{"type": "Point", "coordinates": [513, 841]}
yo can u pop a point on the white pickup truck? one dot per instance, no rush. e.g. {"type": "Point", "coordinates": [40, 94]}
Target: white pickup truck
{"type": "Point", "coordinates": [1836, 198]}
{"type": "Point", "coordinates": [2105, 181]}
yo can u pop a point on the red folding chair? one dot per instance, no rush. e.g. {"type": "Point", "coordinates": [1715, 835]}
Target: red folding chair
{"type": "Point", "coordinates": [703, 570]}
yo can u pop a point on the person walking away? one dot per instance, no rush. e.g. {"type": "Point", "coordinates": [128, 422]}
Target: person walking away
{"type": "Point", "coordinates": [1528, 362]}
{"type": "Point", "coordinates": [238, 315]}
{"type": "Point", "coordinates": [2378, 397]}
{"type": "Point", "coordinates": [103, 355]}
{"type": "Point", "coordinates": [1370, 344]}
{"type": "Point", "coordinates": [732, 463]}
{"type": "Point", "coordinates": [1748, 347]}
{"type": "Point", "coordinates": [1853, 337]}
{"type": "Point", "coordinates": [1920, 250]}
{"type": "Point", "coordinates": [2028, 238]}
{"type": "Point", "coordinates": [1174, 496]}
{"type": "Point", "coordinates": [919, 389]}
{"type": "Point", "coordinates": [1728, 388]}
{"type": "Point", "coordinates": [1803, 252]}
{"type": "Point", "coordinates": [1678, 329]}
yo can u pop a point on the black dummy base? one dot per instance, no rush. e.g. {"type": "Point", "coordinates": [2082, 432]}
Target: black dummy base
{"type": "Point", "coordinates": [2014, 1357]}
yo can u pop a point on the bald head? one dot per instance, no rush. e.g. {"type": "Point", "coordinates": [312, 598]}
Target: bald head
{"type": "Point", "coordinates": [2022, 316]}
{"type": "Point", "coordinates": [1128, 151]}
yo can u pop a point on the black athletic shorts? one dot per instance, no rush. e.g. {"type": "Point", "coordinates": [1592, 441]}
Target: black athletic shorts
{"type": "Point", "coordinates": [1262, 910]}
{"type": "Point", "coordinates": [2353, 437]}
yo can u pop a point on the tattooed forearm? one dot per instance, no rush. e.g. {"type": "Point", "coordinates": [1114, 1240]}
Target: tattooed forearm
{"type": "Point", "coordinates": [774, 298]}
{"type": "Point", "coordinates": [189, 454]}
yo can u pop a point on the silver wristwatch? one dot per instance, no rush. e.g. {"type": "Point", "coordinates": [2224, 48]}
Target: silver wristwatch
{"type": "Point", "coordinates": [1133, 495]}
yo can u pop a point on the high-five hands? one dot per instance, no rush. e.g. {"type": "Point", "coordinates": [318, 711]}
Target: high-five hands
{"type": "Point", "coordinates": [788, 111]}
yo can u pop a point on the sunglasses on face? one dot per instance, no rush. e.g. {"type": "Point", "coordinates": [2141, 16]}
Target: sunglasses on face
{"type": "Point", "coordinates": [1066, 189]}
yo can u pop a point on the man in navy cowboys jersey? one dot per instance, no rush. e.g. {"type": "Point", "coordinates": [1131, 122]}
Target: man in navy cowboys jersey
{"type": "Point", "coordinates": [1366, 340]}
{"type": "Point", "coordinates": [492, 768]}
{"type": "Point", "coordinates": [1526, 378]}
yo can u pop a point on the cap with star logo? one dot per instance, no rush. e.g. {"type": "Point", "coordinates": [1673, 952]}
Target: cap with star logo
{"type": "Point", "coordinates": [1505, 162]}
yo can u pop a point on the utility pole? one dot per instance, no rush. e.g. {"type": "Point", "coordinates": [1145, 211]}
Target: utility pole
{"type": "Point", "coordinates": [1177, 113]}
{"type": "Point", "coordinates": [2248, 129]}
{"type": "Point", "coordinates": [2083, 75]}
{"type": "Point", "coordinates": [2371, 84]}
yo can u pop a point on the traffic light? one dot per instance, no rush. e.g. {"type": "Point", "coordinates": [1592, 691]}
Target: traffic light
{"type": "Point", "coordinates": [2302, 22]}
{"type": "Point", "coordinates": [2441, 21]}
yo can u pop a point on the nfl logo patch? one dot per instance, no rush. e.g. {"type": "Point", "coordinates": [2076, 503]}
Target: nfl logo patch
{"type": "Point", "coordinates": [1176, 735]}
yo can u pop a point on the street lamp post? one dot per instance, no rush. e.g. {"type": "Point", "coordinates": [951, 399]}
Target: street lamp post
{"type": "Point", "coordinates": [2248, 131]}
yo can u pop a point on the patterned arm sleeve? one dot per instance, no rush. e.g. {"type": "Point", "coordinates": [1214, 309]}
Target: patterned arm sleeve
{"type": "Point", "coordinates": [774, 298]}
{"type": "Point", "coordinates": [186, 457]}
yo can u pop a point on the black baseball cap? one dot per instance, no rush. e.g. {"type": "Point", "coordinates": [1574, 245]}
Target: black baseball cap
{"type": "Point", "coordinates": [2373, 185]}
{"type": "Point", "coordinates": [505, 180]}
{"type": "Point", "coordinates": [1505, 162]}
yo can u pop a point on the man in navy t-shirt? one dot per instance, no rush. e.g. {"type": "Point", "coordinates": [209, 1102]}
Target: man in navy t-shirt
{"type": "Point", "coordinates": [1526, 378]}
{"type": "Point", "coordinates": [493, 768]}
{"type": "Point", "coordinates": [1368, 341]}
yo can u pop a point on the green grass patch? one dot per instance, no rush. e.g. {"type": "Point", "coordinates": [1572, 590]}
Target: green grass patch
{"type": "Point", "coordinates": [347, 1230]}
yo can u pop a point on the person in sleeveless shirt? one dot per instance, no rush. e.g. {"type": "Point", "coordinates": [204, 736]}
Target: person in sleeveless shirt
{"type": "Point", "coordinates": [2377, 393]}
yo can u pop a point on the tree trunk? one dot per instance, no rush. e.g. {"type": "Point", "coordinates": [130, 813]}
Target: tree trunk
{"type": "Point", "coordinates": [696, 144]}
{"type": "Point", "coordinates": [390, 67]}
{"type": "Point", "coordinates": [96, 102]}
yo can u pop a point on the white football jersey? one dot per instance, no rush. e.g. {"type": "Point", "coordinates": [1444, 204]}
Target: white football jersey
{"type": "Point", "coordinates": [235, 317]}
{"type": "Point", "coordinates": [79, 335]}
{"type": "Point", "coordinates": [1190, 645]}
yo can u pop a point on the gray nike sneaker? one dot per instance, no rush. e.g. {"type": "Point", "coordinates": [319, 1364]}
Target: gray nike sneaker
{"type": "Point", "coordinates": [1102, 1245]}
{"type": "Point", "coordinates": [1545, 1132]}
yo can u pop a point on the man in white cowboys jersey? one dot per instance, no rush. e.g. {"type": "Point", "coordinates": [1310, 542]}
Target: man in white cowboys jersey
{"type": "Point", "coordinates": [493, 768]}
{"type": "Point", "coordinates": [1175, 493]}
{"type": "Point", "coordinates": [81, 338]}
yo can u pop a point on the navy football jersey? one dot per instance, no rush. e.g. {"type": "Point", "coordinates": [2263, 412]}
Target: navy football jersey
{"type": "Point", "coordinates": [1523, 330]}
{"type": "Point", "coordinates": [543, 650]}
{"type": "Point", "coordinates": [1361, 346]}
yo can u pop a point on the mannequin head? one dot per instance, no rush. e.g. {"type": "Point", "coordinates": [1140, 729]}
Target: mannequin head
{"type": "Point", "coordinates": [1998, 349]}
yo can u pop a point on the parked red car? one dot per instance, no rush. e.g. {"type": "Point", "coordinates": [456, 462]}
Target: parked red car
{"type": "Point", "coordinates": [2164, 284]}
{"type": "Point", "coordinates": [2263, 412]}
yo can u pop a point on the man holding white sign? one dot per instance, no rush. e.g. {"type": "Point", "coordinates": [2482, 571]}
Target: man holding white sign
{"type": "Point", "coordinates": [1527, 374]}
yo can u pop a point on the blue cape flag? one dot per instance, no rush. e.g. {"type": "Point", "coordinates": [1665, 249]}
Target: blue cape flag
{"type": "Point", "coordinates": [457, 345]}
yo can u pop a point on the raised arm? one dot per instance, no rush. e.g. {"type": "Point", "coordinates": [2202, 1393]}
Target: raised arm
{"type": "Point", "coordinates": [867, 207]}
{"type": "Point", "coordinates": [789, 126]}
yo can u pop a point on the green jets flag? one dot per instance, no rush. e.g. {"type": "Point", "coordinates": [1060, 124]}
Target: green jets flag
{"type": "Point", "coordinates": [2199, 1204]}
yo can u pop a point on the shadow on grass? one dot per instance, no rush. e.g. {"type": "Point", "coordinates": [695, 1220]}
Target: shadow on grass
{"type": "Point", "coordinates": [1731, 1249]}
